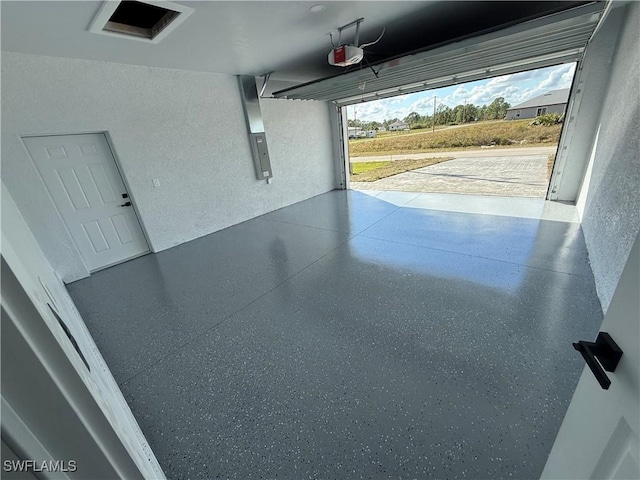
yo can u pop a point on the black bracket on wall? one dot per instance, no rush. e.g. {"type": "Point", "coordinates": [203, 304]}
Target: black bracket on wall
{"type": "Point", "coordinates": [608, 355]}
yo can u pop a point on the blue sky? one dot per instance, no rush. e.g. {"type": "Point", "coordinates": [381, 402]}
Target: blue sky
{"type": "Point", "coordinates": [515, 88]}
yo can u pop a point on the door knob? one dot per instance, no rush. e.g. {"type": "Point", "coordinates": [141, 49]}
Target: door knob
{"type": "Point", "coordinates": [607, 353]}
{"type": "Point", "coordinates": [127, 204]}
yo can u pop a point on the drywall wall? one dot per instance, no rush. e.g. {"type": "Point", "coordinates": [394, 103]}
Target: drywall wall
{"type": "Point", "coordinates": [611, 216]}
{"type": "Point", "coordinates": [184, 128]}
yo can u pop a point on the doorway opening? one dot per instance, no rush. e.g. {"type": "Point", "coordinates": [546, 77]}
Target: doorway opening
{"type": "Point", "coordinates": [496, 136]}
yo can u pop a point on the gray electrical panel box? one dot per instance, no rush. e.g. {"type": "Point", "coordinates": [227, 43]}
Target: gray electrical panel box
{"type": "Point", "coordinates": [260, 154]}
{"type": "Point", "coordinates": [253, 116]}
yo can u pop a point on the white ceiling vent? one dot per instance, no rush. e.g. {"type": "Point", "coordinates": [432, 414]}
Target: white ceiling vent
{"type": "Point", "coordinates": [148, 20]}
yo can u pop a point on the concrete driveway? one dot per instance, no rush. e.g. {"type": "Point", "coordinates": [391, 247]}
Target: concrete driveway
{"type": "Point", "coordinates": [509, 172]}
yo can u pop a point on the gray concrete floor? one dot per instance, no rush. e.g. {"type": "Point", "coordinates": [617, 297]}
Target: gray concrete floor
{"type": "Point", "coordinates": [354, 335]}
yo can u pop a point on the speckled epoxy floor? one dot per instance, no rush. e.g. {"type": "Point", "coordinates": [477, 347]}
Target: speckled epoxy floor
{"type": "Point", "coordinates": [351, 336]}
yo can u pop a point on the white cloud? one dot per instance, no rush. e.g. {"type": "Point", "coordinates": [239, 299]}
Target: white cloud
{"type": "Point", "coordinates": [567, 77]}
{"type": "Point", "coordinates": [422, 106]}
{"type": "Point", "coordinates": [394, 101]}
{"type": "Point", "coordinates": [554, 80]}
{"type": "Point", "coordinates": [378, 110]}
{"type": "Point", "coordinates": [515, 88]}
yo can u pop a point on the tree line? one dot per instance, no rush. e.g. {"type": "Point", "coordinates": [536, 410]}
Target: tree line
{"type": "Point", "coordinates": [444, 115]}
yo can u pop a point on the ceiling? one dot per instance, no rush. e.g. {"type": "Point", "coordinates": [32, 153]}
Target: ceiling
{"type": "Point", "coordinates": [255, 37]}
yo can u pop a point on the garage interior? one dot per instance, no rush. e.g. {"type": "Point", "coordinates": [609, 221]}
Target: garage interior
{"type": "Point", "coordinates": [282, 325]}
{"type": "Point", "coordinates": [350, 342]}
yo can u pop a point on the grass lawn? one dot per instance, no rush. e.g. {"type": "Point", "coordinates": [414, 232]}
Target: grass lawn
{"type": "Point", "coordinates": [362, 167]}
{"type": "Point", "coordinates": [516, 133]}
{"type": "Point", "coordinates": [372, 171]}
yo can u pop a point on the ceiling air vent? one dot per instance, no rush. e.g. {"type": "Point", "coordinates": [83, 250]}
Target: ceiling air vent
{"type": "Point", "coordinates": [149, 21]}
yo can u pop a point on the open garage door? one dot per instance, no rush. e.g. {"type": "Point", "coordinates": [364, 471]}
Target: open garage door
{"type": "Point", "coordinates": [550, 40]}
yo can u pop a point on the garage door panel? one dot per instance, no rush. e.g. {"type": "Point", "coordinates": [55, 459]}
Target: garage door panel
{"type": "Point", "coordinates": [551, 40]}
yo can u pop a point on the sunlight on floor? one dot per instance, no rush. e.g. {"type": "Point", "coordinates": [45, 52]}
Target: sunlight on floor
{"type": "Point", "coordinates": [489, 205]}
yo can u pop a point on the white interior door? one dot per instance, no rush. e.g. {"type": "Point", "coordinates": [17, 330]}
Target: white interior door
{"type": "Point", "coordinates": [599, 435]}
{"type": "Point", "coordinates": [82, 177]}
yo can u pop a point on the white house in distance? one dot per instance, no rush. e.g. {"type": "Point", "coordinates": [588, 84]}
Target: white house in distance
{"type": "Point", "coordinates": [356, 132]}
{"type": "Point", "coordinates": [398, 126]}
{"type": "Point", "coordinates": [554, 101]}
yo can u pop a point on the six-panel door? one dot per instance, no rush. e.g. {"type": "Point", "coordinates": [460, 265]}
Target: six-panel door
{"type": "Point", "coordinates": [81, 175]}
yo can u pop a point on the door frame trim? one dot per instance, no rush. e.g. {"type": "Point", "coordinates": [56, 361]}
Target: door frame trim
{"type": "Point", "coordinates": [121, 443]}
{"type": "Point", "coordinates": [116, 160]}
{"type": "Point", "coordinates": [21, 439]}
{"type": "Point", "coordinates": [344, 147]}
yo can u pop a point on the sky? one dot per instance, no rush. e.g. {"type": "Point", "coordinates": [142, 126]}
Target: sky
{"type": "Point", "coordinates": [515, 88]}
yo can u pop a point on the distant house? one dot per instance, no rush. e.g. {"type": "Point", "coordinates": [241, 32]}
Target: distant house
{"type": "Point", "coordinates": [398, 126]}
{"type": "Point", "coordinates": [356, 132]}
{"type": "Point", "coordinates": [554, 101]}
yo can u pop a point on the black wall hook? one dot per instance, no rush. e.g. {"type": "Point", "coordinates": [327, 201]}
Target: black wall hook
{"type": "Point", "coordinates": [608, 355]}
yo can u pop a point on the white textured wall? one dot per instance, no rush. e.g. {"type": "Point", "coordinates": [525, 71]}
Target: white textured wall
{"type": "Point", "coordinates": [185, 128]}
{"type": "Point", "coordinates": [611, 217]}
